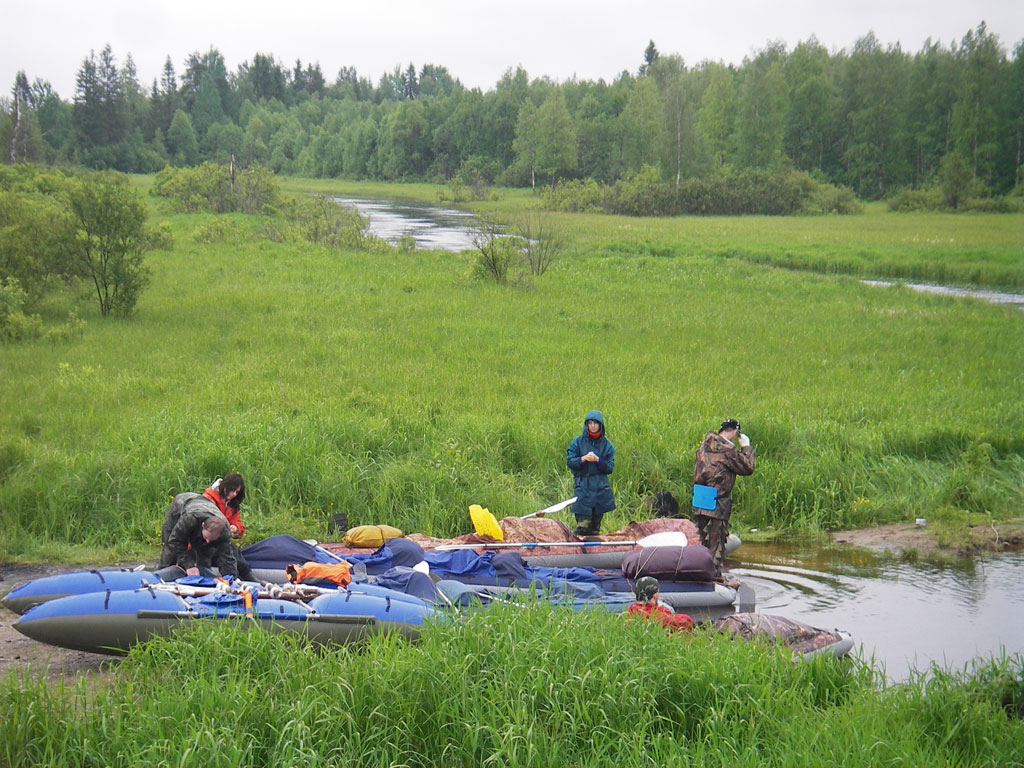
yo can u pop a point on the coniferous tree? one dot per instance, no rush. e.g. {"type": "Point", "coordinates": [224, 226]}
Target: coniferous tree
{"type": "Point", "coordinates": [21, 120]}
{"type": "Point", "coordinates": [182, 145]}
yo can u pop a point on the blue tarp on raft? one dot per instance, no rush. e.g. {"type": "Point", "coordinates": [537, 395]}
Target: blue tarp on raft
{"type": "Point", "coordinates": [283, 550]}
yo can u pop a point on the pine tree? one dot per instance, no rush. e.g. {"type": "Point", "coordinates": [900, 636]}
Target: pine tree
{"type": "Point", "coordinates": [21, 117]}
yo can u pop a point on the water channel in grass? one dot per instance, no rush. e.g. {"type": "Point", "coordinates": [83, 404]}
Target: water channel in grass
{"type": "Point", "coordinates": [903, 615]}
{"type": "Point", "coordinates": [429, 226]}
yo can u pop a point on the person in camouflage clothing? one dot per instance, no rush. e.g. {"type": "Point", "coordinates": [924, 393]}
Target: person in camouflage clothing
{"type": "Point", "coordinates": [718, 462]}
{"type": "Point", "coordinates": [196, 536]}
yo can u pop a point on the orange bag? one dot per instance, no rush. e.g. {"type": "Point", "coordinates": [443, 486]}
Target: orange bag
{"type": "Point", "coordinates": [339, 573]}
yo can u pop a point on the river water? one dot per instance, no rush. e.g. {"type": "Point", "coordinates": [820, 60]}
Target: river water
{"type": "Point", "coordinates": [430, 226]}
{"type": "Point", "coordinates": [903, 615]}
{"type": "Point", "coordinates": [993, 297]}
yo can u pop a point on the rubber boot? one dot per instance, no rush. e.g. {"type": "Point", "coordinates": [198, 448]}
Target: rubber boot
{"type": "Point", "coordinates": [595, 525]}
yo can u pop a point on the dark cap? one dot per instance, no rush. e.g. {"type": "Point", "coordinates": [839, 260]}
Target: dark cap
{"type": "Point", "coordinates": [645, 588]}
{"type": "Point", "coordinates": [729, 424]}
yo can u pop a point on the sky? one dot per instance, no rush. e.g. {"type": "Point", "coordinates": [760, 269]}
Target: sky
{"type": "Point", "coordinates": [477, 40]}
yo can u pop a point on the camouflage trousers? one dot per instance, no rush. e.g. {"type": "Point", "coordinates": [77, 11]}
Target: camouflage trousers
{"type": "Point", "coordinates": [714, 532]}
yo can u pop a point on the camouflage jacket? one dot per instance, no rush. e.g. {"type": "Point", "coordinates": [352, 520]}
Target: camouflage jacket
{"type": "Point", "coordinates": [183, 540]}
{"type": "Point", "coordinates": [718, 463]}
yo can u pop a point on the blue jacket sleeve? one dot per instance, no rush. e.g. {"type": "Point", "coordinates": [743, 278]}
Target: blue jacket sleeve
{"type": "Point", "coordinates": [572, 456]}
{"type": "Point", "coordinates": [607, 462]}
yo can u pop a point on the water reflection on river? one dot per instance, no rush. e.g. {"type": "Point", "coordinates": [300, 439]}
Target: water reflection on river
{"type": "Point", "coordinates": [905, 615]}
{"type": "Point", "coordinates": [428, 225]}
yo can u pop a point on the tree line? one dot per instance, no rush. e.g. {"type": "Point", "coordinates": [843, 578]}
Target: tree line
{"type": "Point", "coordinates": [873, 118]}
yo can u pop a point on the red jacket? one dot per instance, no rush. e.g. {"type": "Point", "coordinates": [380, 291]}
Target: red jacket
{"type": "Point", "coordinates": [674, 621]}
{"type": "Point", "coordinates": [233, 515]}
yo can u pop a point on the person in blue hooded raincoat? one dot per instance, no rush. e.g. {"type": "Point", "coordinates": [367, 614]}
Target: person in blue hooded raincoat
{"type": "Point", "coordinates": [591, 458]}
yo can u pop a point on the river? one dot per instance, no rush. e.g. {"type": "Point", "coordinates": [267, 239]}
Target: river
{"type": "Point", "coordinates": [993, 297]}
{"type": "Point", "coordinates": [903, 615]}
{"type": "Point", "coordinates": [430, 226]}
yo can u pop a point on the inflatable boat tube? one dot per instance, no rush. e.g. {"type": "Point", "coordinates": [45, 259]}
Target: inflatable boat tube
{"type": "Point", "coordinates": [112, 622]}
{"type": "Point", "coordinates": [42, 590]}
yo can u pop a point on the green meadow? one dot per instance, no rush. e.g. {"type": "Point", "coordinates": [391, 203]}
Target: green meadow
{"type": "Point", "coordinates": [399, 388]}
{"type": "Point", "coordinates": [508, 687]}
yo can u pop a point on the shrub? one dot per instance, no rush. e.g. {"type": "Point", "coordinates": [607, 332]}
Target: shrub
{"type": "Point", "coordinates": [726, 192]}
{"type": "Point", "coordinates": [318, 219]}
{"type": "Point", "coordinates": [217, 188]}
{"type": "Point", "coordinates": [497, 254]}
{"type": "Point", "coordinates": [834, 199]}
{"type": "Point", "coordinates": [907, 200]}
{"type": "Point", "coordinates": [111, 239]}
{"type": "Point", "coordinates": [542, 242]}
{"type": "Point", "coordinates": [14, 323]}
{"type": "Point", "coordinates": [575, 196]}
{"type": "Point", "coordinates": [216, 230]}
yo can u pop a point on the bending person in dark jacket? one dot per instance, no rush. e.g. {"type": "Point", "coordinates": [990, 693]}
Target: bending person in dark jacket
{"type": "Point", "coordinates": [195, 535]}
{"type": "Point", "coordinates": [718, 463]}
{"type": "Point", "coordinates": [591, 458]}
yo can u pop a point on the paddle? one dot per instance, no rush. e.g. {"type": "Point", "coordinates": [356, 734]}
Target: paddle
{"type": "Point", "coordinates": [663, 539]}
{"type": "Point", "coordinates": [553, 508]}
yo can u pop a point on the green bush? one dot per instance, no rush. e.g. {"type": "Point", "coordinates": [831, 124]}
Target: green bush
{"type": "Point", "coordinates": [216, 230]}
{"type": "Point", "coordinates": [727, 192]}
{"type": "Point", "coordinates": [318, 219]}
{"type": "Point", "coordinates": [14, 323]}
{"type": "Point", "coordinates": [217, 188]}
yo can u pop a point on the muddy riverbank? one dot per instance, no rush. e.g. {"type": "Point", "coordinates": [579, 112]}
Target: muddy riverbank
{"type": "Point", "coordinates": [936, 540]}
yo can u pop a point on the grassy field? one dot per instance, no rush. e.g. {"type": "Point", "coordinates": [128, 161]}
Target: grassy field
{"type": "Point", "coordinates": [398, 388]}
{"type": "Point", "coordinates": [538, 687]}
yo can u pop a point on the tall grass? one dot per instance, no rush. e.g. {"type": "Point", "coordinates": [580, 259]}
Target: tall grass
{"type": "Point", "coordinates": [541, 687]}
{"type": "Point", "coordinates": [399, 389]}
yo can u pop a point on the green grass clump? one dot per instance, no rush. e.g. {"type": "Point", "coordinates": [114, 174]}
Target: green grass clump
{"type": "Point", "coordinates": [539, 686]}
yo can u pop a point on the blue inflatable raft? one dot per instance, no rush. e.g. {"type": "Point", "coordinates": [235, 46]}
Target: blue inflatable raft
{"type": "Point", "coordinates": [112, 621]}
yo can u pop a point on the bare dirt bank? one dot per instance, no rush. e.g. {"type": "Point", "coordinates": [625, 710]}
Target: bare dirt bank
{"type": "Point", "coordinates": [19, 654]}
{"type": "Point", "coordinates": [928, 540]}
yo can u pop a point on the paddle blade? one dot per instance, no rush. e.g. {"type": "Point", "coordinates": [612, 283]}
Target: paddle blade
{"type": "Point", "coordinates": [664, 539]}
{"type": "Point", "coordinates": [484, 523]}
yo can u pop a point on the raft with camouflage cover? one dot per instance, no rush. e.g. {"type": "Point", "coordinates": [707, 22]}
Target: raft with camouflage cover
{"type": "Point", "coordinates": [533, 533]}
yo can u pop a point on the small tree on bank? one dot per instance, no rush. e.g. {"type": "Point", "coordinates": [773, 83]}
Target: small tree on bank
{"type": "Point", "coordinates": [542, 242]}
{"type": "Point", "coordinates": [497, 254]}
{"type": "Point", "coordinates": [110, 239]}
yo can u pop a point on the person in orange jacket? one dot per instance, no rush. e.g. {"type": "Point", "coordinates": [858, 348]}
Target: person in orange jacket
{"type": "Point", "coordinates": [227, 493]}
{"type": "Point", "coordinates": [647, 590]}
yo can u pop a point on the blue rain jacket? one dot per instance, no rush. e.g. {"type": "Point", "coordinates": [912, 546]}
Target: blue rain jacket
{"type": "Point", "coordinates": [590, 485]}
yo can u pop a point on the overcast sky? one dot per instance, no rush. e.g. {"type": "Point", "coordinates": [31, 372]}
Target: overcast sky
{"type": "Point", "coordinates": [477, 40]}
